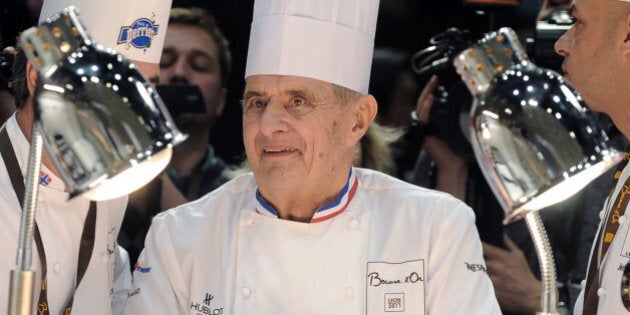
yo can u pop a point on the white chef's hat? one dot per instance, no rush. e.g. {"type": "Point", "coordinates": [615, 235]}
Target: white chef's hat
{"type": "Point", "coordinates": [328, 40]}
{"type": "Point", "coordinates": [135, 28]}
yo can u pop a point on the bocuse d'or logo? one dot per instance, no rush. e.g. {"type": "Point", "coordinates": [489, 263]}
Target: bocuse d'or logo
{"type": "Point", "coordinates": [139, 34]}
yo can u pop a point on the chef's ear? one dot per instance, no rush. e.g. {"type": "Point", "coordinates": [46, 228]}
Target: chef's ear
{"type": "Point", "coordinates": [31, 77]}
{"type": "Point", "coordinates": [365, 109]}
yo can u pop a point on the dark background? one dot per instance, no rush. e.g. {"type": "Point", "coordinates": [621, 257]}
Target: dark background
{"type": "Point", "coordinates": [402, 24]}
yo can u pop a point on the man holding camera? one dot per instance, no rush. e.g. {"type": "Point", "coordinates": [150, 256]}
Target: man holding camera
{"type": "Point", "coordinates": [194, 69]}
{"type": "Point", "coordinates": [196, 53]}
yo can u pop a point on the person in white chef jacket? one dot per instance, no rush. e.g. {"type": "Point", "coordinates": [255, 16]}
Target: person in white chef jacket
{"type": "Point", "coordinates": [596, 51]}
{"type": "Point", "coordinates": [106, 283]}
{"type": "Point", "coordinates": [306, 233]}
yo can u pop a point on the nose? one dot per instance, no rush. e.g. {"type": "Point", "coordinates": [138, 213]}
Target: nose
{"type": "Point", "coordinates": [178, 72]}
{"type": "Point", "coordinates": [563, 43]}
{"type": "Point", "coordinates": [274, 118]}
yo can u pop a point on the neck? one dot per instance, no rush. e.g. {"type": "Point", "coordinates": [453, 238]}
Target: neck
{"type": "Point", "coordinates": [299, 203]}
{"type": "Point", "coordinates": [623, 127]}
{"type": "Point", "coordinates": [296, 208]}
{"type": "Point", "coordinates": [187, 155]}
{"type": "Point", "coordinates": [25, 118]}
{"type": "Point", "coordinates": [620, 120]}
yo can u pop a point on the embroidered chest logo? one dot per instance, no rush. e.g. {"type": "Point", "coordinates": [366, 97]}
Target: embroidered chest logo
{"type": "Point", "coordinates": [206, 306]}
{"type": "Point", "coordinates": [139, 34]}
{"type": "Point", "coordinates": [387, 285]}
{"type": "Point", "coordinates": [44, 179]}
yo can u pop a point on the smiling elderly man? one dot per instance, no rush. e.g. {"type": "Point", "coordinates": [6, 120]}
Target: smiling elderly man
{"type": "Point", "coordinates": [307, 233]}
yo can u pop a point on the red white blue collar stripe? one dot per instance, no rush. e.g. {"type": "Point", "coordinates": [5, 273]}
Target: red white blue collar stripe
{"type": "Point", "coordinates": [324, 213]}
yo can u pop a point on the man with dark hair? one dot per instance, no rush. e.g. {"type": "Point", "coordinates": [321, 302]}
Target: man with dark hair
{"type": "Point", "coordinates": [196, 52]}
{"type": "Point", "coordinates": [19, 79]}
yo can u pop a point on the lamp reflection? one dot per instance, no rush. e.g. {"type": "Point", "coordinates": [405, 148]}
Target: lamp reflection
{"type": "Point", "coordinates": [105, 140]}
{"type": "Point", "coordinates": [535, 140]}
{"type": "Point", "coordinates": [98, 114]}
{"type": "Point", "coordinates": [530, 130]}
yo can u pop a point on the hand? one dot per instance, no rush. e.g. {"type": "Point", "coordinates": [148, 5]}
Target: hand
{"type": "Point", "coordinates": [515, 286]}
{"type": "Point", "coordinates": [425, 100]}
{"type": "Point", "coordinates": [452, 170]}
{"type": "Point", "coordinates": [9, 50]}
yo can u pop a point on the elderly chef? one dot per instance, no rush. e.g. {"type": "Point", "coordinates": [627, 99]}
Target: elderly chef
{"type": "Point", "coordinates": [65, 226]}
{"type": "Point", "coordinates": [307, 233]}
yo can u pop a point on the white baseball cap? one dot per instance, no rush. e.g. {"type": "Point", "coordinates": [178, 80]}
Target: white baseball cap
{"type": "Point", "coordinates": [328, 40]}
{"type": "Point", "coordinates": [135, 28]}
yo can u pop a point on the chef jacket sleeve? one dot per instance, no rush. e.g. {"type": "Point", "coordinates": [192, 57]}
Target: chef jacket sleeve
{"type": "Point", "coordinates": [458, 281]}
{"type": "Point", "coordinates": [157, 280]}
{"type": "Point", "coordinates": [122, 280]}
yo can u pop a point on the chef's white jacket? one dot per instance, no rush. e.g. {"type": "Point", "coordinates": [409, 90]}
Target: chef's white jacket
{"type": "Point", "coordinates": [386, 247]}
{"type": "Point", "coordinates": [107, 280]}
{"type": "Point", "coordinates": [613, 264]}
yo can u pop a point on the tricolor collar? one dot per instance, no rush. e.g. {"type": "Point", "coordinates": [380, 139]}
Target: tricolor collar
{"type": "Point", "coordinates": [324, 213]}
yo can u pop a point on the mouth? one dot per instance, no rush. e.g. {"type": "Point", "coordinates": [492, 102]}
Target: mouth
{"type": "Point", "coordinates": [278, 151]}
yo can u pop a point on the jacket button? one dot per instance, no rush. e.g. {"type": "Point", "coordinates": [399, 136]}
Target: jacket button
{"type": "Point", "coordinates": [622, 220]}
{"type": "Point", "coordinates": [353, 224]}
{"type": "Point", "coordinates": [57, 268]}
{"type": "Point", "coordinates": [349, 292]}
{"type": "Point", "coordinates": [601, 292]}
{"type": "Point", "coordinates": [246, 292]}
{"type": "Point", "coordinates": [602, 214]}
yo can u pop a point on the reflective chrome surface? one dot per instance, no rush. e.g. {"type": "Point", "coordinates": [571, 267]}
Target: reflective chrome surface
{"type": "Point", "coordinates": [98, 113]}
{"type": "Point", "coordinates": [491, 55]}
{"type": "Point", "coordinates": [536, 141]}
{"type": "Point", "coordinates": [533, 137]}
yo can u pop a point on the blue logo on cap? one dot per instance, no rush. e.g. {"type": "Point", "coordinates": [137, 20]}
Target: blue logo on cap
{"type": "Point", "coordinates": [139, 34]}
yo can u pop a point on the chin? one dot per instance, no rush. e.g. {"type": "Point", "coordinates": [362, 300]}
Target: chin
{"type": "Point", "coordinates": [276, 178]}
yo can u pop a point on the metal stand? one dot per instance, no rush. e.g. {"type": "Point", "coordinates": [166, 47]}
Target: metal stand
{"type": "Point", "coordinates": [23, 279]}
{"type": "Point", "coordinates": [548, 297]}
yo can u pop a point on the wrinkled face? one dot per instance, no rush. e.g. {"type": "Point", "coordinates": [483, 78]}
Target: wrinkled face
{"type": "Point", "coordinates": [296, 132]}
{"type": "Point", "coordinates": [593, 52]}
{"type": "Point", "coordinates": [191, 56]}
